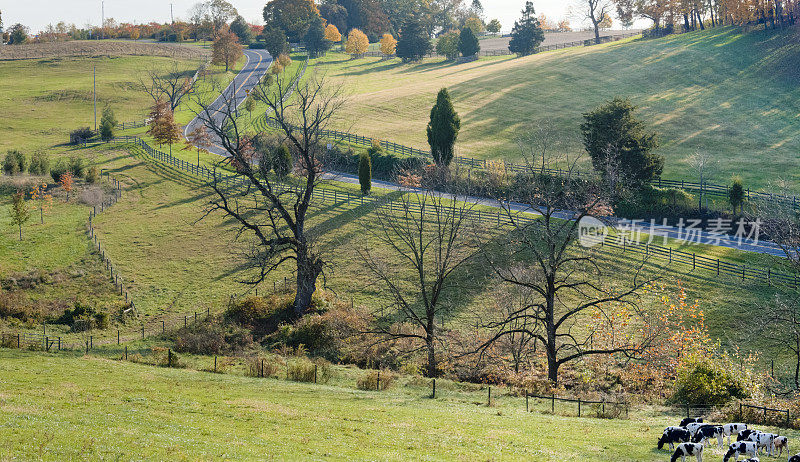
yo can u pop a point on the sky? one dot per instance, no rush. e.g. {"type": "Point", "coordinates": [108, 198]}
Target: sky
{"type": "Point", "coordinates": [36, 14]}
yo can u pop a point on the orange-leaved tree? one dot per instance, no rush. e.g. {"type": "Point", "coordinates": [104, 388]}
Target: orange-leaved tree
{"type": "Point", "coordinates": [67, 182]}
{"type": "Point", "coordinates": [388, 45]}
{"type": "Point", "coordinates": [357, 43]}
{"type": "Point", "coordinates": [332, 34]}
{"type": "Point", "coordinates": [200, 139]}
{"type": "Point", "coordinates": [43, 199]}
{"type": "Point", "coordinates": [163, 127]}
{"type": "Point", "coordinates": [226, 49]}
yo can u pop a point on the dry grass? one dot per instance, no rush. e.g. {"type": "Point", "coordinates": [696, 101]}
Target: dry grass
{"type": "Point", "coordinates": [97, 49]}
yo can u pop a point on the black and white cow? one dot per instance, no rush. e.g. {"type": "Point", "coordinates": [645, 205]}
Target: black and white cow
{"type": "Point", "coordinates": [689, 420]}
{"type": "Point", "coordinates": [673, 436]}
{"type": "Point", "coordinates": [795, 458]}
{"type": "Point", "coordinates": [781, 443]}
{"type": "Point", "coordinates": [733, 429]}
{"type": "Point", "coordinates": [695, 426]}
{"type": "Point", "coordinates": [752, 459]}
{"type": "Point", "coordinates": [688, 449]}
{"type": "Point", "coordinates": [763, 440]}
{"type": "Point", "coordinates": [705, 433]}
{"type": "Point", "coordinates": [741, 448]}
{"type": "Point", "coordinates": [745, 434]}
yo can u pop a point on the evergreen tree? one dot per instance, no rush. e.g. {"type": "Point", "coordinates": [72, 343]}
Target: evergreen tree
{"type": "Point", "coordinates": [414, 42]}
{"type": "Point", "coordinates": [365, 173]}
{"type": "Point", "coordinates": [736, 194]}
{"type": "Point", "coordinates": [242, 30]}
{"type": "Point", "coordinates": [443, 129]}
{"type": "Point", "coordinates": [617, 142]}
{"type": "Point", "coordinates": [316, 43]}
{"type": "Point", "coordinates": [282, 161]}
{"type": "Point", "coordinates": [18, 212]}
{"type": "Point", "coordinates": [468, 43]}
{"type": "Point", "coordinates": [275, 41]}
{"type": "Point", "coordinates": [108, 122]}
{"type": "Point", "coordinates": [527, 34]}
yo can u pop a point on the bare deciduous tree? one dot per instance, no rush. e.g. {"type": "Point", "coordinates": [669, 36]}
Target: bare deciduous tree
{"type": "Point", "coordinates": [169, 84]}
{"type": "Point", "coordinates": [780, 221]}
{"type": "Point", "coordinates": [565, 285]}
{"type": "Point", "coordinates": [595, 11]}
{"type": "Point", "coordinates": [430, 237]}
{"type": "Point", "coordinates": [705, 165]}
{"type": "Point", "coordinates": [779, 324]}
{"type": "Point", "coordinates": [274, 209]}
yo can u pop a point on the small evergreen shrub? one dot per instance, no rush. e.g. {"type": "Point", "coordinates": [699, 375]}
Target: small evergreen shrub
{"type": "Point", "coordinates": [92, 175]}
{"type": "Point", "coordinates": [59, 169]}
{"type": "Point", "coordinates": [14, 162]}
{"type": "Point", "coordinates": [77, 166]}
{"type": "Point", "coordinates": [40, 164]}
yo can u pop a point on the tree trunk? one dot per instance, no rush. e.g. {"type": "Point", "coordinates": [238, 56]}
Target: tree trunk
{"type": "Point", "coordinates": [20, 232]}
{"type": "Point", "coordinates": [432, 368]}
{"type": "Point", "coordinates": [797, 367]}
{"type": "Point", "coordinates": [596, 31]}
{"type": "Point", "coordinates": [550, 326]}
{"type": "Point", "coordinates": [308, 271]}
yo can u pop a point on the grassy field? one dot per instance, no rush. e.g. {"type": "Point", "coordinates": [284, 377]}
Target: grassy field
{"type": "Point", "coordinates": [733, 95]}
{"type": "Point", "coordinates": [57, 408]}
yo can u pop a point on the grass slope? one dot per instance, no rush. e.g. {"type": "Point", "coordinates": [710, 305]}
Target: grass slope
{"type": "Point", "coordinates": [731, 94]}
{"type": "Point", "coordinates": [103, 409]}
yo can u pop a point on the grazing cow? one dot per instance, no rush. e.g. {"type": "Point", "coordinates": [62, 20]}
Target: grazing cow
{"type": "Point", "coordinates": [688, 449]}
{"type": "Point", "coordinates": [781, 443]}
{"type": "Point", "coordinates": [694, 426]}
{"type": "Point", "coordinates": [689, 420]}
{"type": "Point", "coordinates": [745, 434]}
{"type": "Point", "coordinates": [733, 429]}
{"type": "Point", "coordinates": [752, 459]}
{"type": "Point", "coordinates": [763, 440]}
{"type": "Point", "coordinates": [673, 436]}
{"type": "Point", "coordinates": [795, 458]}
{"type": "Point", "coordinates": [741, 448]}
{"type": "Point", "coordinates": [707, 432]}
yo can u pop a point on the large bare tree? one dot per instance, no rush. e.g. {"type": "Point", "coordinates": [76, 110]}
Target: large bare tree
{"type": "Point", "coordinates": [419, 243]}
{"type": "Point", "coordinates": [274, 209]}
{"type": "Point", "coordinates": [170, 83]}
{"type": "Point", "coordinates": [595, 11]}
{"type": "Point", "coordinates": [779, 324]}
{"type": "Point", "coordinates": [571, 292]}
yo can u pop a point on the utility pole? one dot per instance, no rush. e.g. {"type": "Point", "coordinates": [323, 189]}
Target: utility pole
{"type": "Point", "coordinates": [102, 20]}
{"type": "Point", "coordinates": [94, 86]}
{"type": "Point", "coordinates": [171, 17]}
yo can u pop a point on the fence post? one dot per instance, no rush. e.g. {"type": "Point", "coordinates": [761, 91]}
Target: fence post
{"type": "Point", "coordinates": [378, 383]}
{"type": "Point", "coordinates": [142, 331]}
{"type": "Point", "coordinates": [579, 407]}
{"type": "Point", "coordinates": [433, 392]}
{"type": "Point", "coordinates": [163, 327]}
{"type": "Point", "coordinates": [527, 408]}
{"type": "Point", "coordinates": [117, 336]}
{"type": "Point", "coordinates": [169, 357]}
{"type": "Point", "coordinates": [18, 343]}
{"type": "Point", "coordinates": [91, 342]}
{"type": "Point", "coordinates": [315, 373]}
{"type": "Point", "coordinates": [126, 352]}
{"type": "Point", "coordinates": [553, 404]}
{"type": "Point", "coordinates": [490, 396]}
{"type": "Point", "coordinates": [59, 349]}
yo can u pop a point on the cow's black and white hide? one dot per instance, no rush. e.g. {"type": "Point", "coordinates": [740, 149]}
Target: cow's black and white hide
{"type": "Point", "coordinates": [689, 420]}
{"type": "Point", "coordinates": [673, 436]}
{"type": "Point", "coordinates": [795, 458]}
{"type": "Point", "coordinates": [745, 434]}
{"type": "Point", "coordinates": [695, 426]}
{"type": "Point", "coordinates": [763, 440]}
{"type": "Point", "coordinates": [708, 432]}
{"type": "Point", "coordinates": [733, 429]}
{"type": "Point", "coordinates": [741, 448]}
{"type": "Point", "coordinates": [781, 443]}
{"type": "Point", "coordinates": [688, 449]}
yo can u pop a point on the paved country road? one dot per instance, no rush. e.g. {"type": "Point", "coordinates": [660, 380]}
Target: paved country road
{"type": "Point", "coordinates": [258, 62]}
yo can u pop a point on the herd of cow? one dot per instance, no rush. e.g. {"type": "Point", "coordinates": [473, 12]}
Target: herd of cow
{"type": "Point", "coordinates": [692, 435]}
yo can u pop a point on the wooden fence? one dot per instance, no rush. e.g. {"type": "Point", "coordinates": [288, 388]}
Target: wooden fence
{"type": "Point", "coordinates": [666, 255]}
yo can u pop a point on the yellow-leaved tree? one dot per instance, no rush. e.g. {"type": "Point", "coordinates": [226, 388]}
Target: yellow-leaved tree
{"type": "Point", "coordinates": [388, 45]}
{"type": "Point", "coordinates": [357, 43]}
{"type": "Point", "coordinates": [332, 34]}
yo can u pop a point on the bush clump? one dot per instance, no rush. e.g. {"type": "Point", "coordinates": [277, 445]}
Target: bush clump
{"type": "Point", "coordinates": [14, 162]}
{"type": "Point", "coordinates": [375, 380]}
{"type": "Point", "coordinates": [92, 175]}
{"type": "Point", "coordinates": [305, 370]}
{"type": "Point", "coordinates": [212, 338]}
{"type": "Point", "coordinates": [701, 381]}
{"type": "Point", "coordinates": [59, 169]}
{"type": "Point", "coordinates": [77, 166]}
{"type": "Point", "coordinates": [83, 317]}
{"type": "Point", "coordinates": [40, 164]}
{"type": "Point", "coordinates": [260, 366]}
{"type": "Point", "coordinates": [80, 135]}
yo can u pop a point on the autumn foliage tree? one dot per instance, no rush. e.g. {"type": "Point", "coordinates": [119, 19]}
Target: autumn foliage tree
{"type": "Point", "coordinates": [19, 212]}
{"type": "Point", "coordinates": [67, 182]}
{"type": "Point", "coordinates": [163, 127]}
{"type": "Point", "coordinates": [388, 45]}
{"type": "Point", "coordinates": [200, 139]}
{"type": "Point", "coordinates": [332, 34]}
{"type": "Point", "coordinates": [357, 43]}
{"type": "Point", "coordinates": [226, 49]}
{"type": "Point", "coordinates": [42, 198]}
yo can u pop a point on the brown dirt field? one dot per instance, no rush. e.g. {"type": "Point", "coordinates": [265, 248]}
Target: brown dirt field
{"type": "Point", "coordinates": [100, 48]}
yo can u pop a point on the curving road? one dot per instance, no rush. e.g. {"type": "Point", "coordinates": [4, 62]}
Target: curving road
{"type": "Point", "coordinates": [257, 66]}
{"type": "Point", "coordinates": [258, 63]}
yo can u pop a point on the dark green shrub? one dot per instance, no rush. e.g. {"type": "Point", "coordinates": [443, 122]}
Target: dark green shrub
{"type": "Point", "coordinates": [282, 161]}
{"type": "Point", "coordinates": [704, 381]}
{"type": "Point", "coordinates": [40, 164]}
{"type": "Point", "coordinates": [365, 173]}
{"type": "Point", "coordinates": [258, 46]}
{"type": "Point", "coordinates": [77, 166]}
{"type": "Point", "coordinates": [736, 194]}
{"type": "Point", "coordinates": [15, 162]}
{"type": "Point", "coordinates": [468, 43]}
{"type": "Point", "coordinates": [83, 317]}
{"type": "Point", "coordinates": [59, 169]}
{"type": "Point", "coordinates": [80, 135]}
